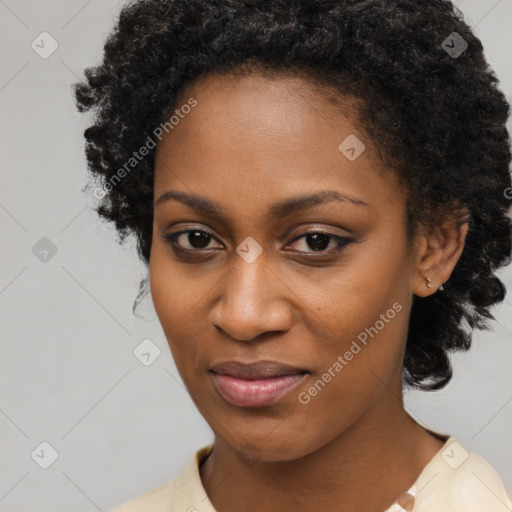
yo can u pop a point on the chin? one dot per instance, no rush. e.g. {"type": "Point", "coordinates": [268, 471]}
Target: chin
{"type": "Point", "coordinates": [272, 449]}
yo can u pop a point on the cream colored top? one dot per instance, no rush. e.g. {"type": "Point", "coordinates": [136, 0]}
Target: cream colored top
{"type": "Point", "coordinates": [455, 480]}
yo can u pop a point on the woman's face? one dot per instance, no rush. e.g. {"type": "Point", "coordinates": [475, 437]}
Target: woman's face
{"type": "Point", "coordinates": [247, 283]}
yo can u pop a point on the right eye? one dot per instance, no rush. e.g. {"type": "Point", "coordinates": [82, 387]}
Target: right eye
{"type": "Point", "coordinates": [197, 239]}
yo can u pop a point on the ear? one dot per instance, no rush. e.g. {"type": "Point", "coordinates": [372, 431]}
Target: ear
{"type": "Point", "coordinates": [437, 253]}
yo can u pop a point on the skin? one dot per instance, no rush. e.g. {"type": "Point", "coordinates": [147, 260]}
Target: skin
{"type": "Point", "coordinates": [252, 141]}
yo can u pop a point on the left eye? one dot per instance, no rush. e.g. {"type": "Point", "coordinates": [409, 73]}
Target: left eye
{"type": "Point", "coordinates": [198, 239]}
{"type": "Point", "coordinates": [319, 241]}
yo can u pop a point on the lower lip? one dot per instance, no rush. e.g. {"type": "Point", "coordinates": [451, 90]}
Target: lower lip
{"type": "Point", "coordinates": [257, 392]}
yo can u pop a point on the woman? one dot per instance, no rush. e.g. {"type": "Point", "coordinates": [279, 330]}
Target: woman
{"type": "Point", "coordinates": [319, 191]}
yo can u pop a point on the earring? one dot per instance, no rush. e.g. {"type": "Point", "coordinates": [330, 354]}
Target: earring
{"type": "Point", "coordinates": [429, 281]}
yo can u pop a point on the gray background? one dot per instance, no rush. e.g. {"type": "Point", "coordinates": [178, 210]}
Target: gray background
{"type": "Point", "coordinates": [69, 374]}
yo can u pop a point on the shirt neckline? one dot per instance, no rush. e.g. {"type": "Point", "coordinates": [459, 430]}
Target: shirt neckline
{"type": "Point", "coordinates": [190, 493]}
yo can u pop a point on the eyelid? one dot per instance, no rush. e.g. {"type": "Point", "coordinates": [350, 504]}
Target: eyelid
{"type": "Point", "coordinates": [315, 229]}
{"type": "Point", "coordinates": [172, 237]}
{"type": "Point", "coordinates": [341, 241]}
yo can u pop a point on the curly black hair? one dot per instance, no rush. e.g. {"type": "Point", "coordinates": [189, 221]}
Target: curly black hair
{"type": "Point", "coordinates": [426, 96]}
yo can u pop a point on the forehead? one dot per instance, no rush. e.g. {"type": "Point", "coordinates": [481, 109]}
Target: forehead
{"type": "Point", "coordinates": [253, 137]}
{"type": "Point", "coordinates": [264, 94]}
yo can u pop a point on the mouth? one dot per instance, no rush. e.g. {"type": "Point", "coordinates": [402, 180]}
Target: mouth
{"type": "Point", "coordinates": [257, 384]}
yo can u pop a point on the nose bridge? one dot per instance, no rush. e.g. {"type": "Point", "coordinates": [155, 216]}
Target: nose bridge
{"type": "Point", "coordinates": [249, 280]}
{"type": "Point", "coordinates": [250, 301]}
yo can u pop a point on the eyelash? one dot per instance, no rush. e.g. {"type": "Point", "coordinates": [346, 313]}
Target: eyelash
{"type": "Point", "coordinates": [341, 242]}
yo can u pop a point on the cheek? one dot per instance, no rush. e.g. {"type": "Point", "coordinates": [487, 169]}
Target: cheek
{"type": "Point", "coordinates": [340, 302]}
{"type": "Point", "coordinates": [163, 286]}
{"type": "Point", "coordinates": [354, 377]}
{"type": "Point", "coordinates": [178, 295]}
{"type": "Point", "coordinates": [176, 289]}
{"type": "Point", "coordinates": [364, 342]}
{"type": "Point", "coordinates": [169, 293]}
{"type": "Point", "coordinates": [359, 314]}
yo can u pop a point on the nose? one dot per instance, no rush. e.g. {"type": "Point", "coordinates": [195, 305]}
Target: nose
{"type": "Point", "coordinates": [253, 299]}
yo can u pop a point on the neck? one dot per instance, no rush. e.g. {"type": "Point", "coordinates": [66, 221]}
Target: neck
{"type": "Point", "coordinates": [364, 468]}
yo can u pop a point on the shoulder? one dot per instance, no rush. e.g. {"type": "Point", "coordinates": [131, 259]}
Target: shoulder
{"type": "Point", "coordinates": [151, 501]}
{"type": "Point", "coordinates": [179, 493]}
{"type": "Point", "coordinates": [460, 481]}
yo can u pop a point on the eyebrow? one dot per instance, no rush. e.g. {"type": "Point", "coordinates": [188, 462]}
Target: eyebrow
{"type": "Point", "coordinates": [277, 210]}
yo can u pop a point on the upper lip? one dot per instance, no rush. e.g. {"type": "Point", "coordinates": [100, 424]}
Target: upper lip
{"type": "Point", "coordinates": [257, 370]}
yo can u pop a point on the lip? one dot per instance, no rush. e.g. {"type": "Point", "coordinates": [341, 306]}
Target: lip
{"type": "Point", "coordinates": [257, 384]}
{"type": "Point", "coordinates": [256, 370]}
